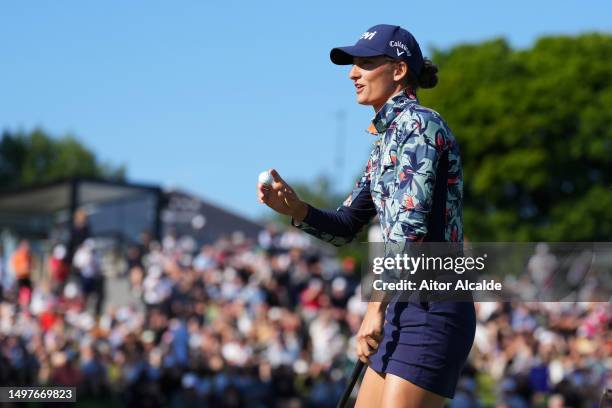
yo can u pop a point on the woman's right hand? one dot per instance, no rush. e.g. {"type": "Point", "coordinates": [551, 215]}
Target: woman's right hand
{"type": "Point", "coordinates": [281, 197]}
{"type": "Point", "coordinates": [370, 333]}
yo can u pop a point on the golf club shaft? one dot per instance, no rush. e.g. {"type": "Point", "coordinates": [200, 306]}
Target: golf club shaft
{"type": "Point", "coordinates": [349, 387]}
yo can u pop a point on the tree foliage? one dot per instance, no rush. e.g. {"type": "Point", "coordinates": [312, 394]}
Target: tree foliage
{"type": "Point", "coordinates": [320, 193]}
{"type": "Point", "coordinates": [535, 130]}
{"type": "Point", "coordinates": [36, 157]}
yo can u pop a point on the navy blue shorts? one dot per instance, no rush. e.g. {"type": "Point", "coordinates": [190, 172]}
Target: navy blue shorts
{"type": "Point", "coordinates": [427, 343]}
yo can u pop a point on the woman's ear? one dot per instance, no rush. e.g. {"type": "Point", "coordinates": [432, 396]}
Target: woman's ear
{"type": "Point", "coordinates": [400, 72]}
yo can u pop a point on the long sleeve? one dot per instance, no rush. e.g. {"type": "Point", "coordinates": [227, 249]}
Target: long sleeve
{"type": "Point", "coordinates": [340, 227]}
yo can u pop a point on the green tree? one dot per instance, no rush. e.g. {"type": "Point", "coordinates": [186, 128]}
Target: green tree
{"type": "Point", "coordinates": [319, 194]}
{"type": "Point", "coordinates": [35, 157]}
{"type": "Point", "coordinates": [534, 127]}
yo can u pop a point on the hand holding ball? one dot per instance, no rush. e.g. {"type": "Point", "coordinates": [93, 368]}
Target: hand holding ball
{"type": "Point", "coordinates": [266, 178]}
{"type": "Point", "coordinates": [274, 192]}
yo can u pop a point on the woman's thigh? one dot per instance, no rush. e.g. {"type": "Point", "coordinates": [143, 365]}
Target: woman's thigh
{"type": "Point", "coordinates": [371, 389]}
{"type": "Point", "coordinates": [400, 393]}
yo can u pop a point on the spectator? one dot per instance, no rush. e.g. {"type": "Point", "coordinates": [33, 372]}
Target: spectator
{"type": "Point", "coordinates": [87, 263]}
{"type": "Point", "coordinates": [22, 264]}
{"type": "Point", "coordinates": [58, 268]}
{"type": "Point", "coordinates": [79, 233]}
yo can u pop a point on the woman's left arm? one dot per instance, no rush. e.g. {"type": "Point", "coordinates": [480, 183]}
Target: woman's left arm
{"type": "Point", "coordinates": [341, 226]}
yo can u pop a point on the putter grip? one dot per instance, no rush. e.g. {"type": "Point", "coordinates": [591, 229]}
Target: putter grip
{"type": "Point", "coordinates": [349, 387]}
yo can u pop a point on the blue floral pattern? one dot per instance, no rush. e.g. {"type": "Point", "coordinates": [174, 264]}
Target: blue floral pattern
{"type": "Point", "coordinates": [401, 172]}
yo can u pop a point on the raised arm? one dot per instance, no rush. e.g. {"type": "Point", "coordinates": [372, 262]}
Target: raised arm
{"type": "Point", "coordinates": [336, 227]}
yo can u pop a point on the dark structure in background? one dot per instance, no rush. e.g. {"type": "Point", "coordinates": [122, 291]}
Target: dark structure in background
{"type": "Point", "coordinates": [117, 210]}
{"type": "Point", "coordinates": [186, 214]}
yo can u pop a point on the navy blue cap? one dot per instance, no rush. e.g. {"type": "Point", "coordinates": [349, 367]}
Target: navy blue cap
{"type": "Point", "coordinates": [383, 39]}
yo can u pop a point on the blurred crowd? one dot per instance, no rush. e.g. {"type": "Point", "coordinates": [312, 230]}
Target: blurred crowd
{"type": "Point", "coordinates": [265, 323]}
{"type": "Point", "coordinates": [554, 354]}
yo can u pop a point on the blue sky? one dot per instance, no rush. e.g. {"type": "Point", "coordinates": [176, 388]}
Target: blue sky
{"type": "Point", "coordinates": [204, 95]}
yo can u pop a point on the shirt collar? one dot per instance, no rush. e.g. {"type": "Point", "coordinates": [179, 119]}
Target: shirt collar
{"type": "Point", "coordinates": [389, 111]}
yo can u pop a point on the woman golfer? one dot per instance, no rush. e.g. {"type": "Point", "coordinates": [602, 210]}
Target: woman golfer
{"type": "Point", "coordinates": [413, 181]}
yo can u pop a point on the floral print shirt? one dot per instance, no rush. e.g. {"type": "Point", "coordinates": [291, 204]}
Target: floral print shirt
{"type": "Point", "coordinates": [412, 181]}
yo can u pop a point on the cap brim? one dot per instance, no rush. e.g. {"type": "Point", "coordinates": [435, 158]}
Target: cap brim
{"type": "Point", "coordinates": [345, 55]}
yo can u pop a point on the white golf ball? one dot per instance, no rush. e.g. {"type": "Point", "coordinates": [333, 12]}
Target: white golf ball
{"type": "Point", "coordinates": [266, 178]}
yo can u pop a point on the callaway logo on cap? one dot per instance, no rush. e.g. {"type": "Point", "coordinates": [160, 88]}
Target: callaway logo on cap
{"type": "Point", "coordinates": [383, 39]}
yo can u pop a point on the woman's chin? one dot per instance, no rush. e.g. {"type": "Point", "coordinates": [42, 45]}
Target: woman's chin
{"type": "Point", "coordinates": [362, 100]}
